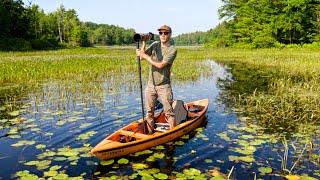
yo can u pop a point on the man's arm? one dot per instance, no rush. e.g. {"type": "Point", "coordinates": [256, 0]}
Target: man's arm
{"type": "Point", "coordinates": [143, 46]}
{"type": "Point", "coordinates": [158, 65]}
{"type": "Point", "coordinates": [167, 59]}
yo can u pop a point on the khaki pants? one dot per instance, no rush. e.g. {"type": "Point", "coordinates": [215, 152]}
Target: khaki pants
{"type": "Point", "coordinates": [164, 93]}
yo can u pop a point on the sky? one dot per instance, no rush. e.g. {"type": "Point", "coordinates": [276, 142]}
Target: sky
{"type": "Point", "coordinates": [143, 15]}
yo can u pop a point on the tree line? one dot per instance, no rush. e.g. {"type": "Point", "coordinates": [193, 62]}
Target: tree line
{"type": "Point", "coordinates": [263, 23]}
{"type": "Point", "coordinates": [246, 23]}
{"type": "Point", "coordinates": [29, 27]}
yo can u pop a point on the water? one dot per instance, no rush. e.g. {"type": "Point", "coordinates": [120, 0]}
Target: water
{"type": "Point", "coordinates": [71, 117]}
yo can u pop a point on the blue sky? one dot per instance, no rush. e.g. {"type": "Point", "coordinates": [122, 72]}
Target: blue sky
{"type": "Point", "coordinates": [143, 15]}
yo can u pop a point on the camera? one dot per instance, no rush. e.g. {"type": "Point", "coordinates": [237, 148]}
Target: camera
{"type": "Point", "coordinates": [143, 37]}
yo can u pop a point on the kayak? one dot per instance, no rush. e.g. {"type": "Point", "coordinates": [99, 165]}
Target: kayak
{"type": "Point", "coordinates": [131, 138]}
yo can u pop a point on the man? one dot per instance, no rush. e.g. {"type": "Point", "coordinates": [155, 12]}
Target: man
{"type": "Point", "coordinates": [160, 56]}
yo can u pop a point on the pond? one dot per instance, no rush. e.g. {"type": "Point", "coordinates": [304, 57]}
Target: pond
{"type": "Point", "coordinates": [48, 129]}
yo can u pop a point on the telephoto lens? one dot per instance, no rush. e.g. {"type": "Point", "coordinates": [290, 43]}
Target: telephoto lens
{"type": "Point", "coordinates": [143, 37]}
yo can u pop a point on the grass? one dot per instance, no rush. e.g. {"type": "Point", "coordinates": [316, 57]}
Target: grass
{"type": "Point", "coordinates": [278, 87]}
{"type": "Point", "coordinates": [90, 64]}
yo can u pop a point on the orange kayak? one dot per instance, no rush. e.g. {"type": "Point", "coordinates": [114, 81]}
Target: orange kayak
{"type": "Point", "coordinates": [131, 139]}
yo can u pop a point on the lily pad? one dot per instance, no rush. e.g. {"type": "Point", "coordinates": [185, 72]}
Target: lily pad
{"type": "Point", "coordinates": [185, 136]}
{"type": "Point", "coordinates": [257, 142]}
{"type": "Point", "coordinates": [31, 163]}
{"type": "Point", "coordinates": [40, 146]}
{"type": "Point", "coordinates": [123, 161]}
{"type": "Point", "coordinates": [48, 134]}
{"type": "Point", "coordinates": [158, 155]}
{"type": "Point", "coordinates": [43, 164]}
{"type": "Point", "coordinates": [63, 176]}
{"type": "Point", "coordinates": [105, 163]}
{"type": "Point", "coordinates": [3, 108]}
{"type": "Point", "coordinates": [247, 159]}
{"type": "Point", "coordinates": [13, 131]}
{"type": "Point", "coordinates": [133, 176]}
{"type": "Point", "coordinates": [14, 113]}
{"type": "Point", "coordinates": [54, 168]}
{"type": "Point", "coordinates": [84, 125]}
{"type": "Point", "coordinates": [224, 136]}
{"type": "Point", "coordinates": [151, 159]}
{"type": "Point", "coordinates": [245, 136]}
{"type": "Point", "coordinates": [217, 178]}
{"type": "Point", "coordinates": [47, 153]}
{"type": "Point", "coordinates": [14, 136]}
{"type": "Point", "coordinates": [248, 150]}
{"type": "Point", "coordinates": [50, 173]}
{"type": "Point", "coordinates": [143, 152]}
{"type": "Point", "coordinates": [179, 143]}
{"type": "Point", "coordinates": [23, 143]}
{"type": "Point", "coordinates": [265, 170]}
{"type": "Point", "coordinates": [86, 135]}
{"type": "Point", "coordinates": [26, 175]}
{"type": "Point", "coordinates": [160, 147]}
{"type": "Point", "coordinates": [293, 177]}
{"type": "Point", "coordinates": [60, 159]}
{"type": "Point", "coordinates": [161, 176]}
{"type": "Point", "coordinates": [153, 170]}
{"type": "Point", "coordinates": [69, 153]}
{"type": "Point", "coordinates": [139, 166]}
{"type": "Point", "coordinates": [191, 172]}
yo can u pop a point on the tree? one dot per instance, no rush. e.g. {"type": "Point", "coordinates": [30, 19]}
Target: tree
{"type": "Point", "coordinates": [263, 23]}
{"type": "Point", "coordinates": [60, 22]}
{"type": "Point", "coordinates": [14, 21]}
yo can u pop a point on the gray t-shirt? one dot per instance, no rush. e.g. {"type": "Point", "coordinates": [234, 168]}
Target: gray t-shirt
{"type": "Point", "coordinates": [161, 76]}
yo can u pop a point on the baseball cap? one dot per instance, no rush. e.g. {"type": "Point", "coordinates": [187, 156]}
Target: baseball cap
{"type": "Point", "coordinates": [165, 28]}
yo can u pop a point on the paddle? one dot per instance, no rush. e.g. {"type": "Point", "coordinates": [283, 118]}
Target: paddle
{"type": "Point", "coordinates": [141, 94]}
{"type": "Point", "coordinates": [144, 122]}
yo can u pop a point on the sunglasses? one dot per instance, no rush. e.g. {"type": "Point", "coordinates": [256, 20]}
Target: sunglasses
{"type": "Point", "coordinates": [165, 33]}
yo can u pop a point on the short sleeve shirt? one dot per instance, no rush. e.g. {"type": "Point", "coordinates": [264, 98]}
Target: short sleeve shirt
{"type": "Point", "coordinates": [161, 76]}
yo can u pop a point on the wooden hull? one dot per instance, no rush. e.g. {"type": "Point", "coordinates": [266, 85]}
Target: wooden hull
{"type": "Point", "coordinates": [111, 147]}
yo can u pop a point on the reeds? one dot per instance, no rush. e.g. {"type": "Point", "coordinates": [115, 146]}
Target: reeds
{"type": "Point", "coordinates": [86, 64]}
{"type": "Point", "coordinates": [278, 87]}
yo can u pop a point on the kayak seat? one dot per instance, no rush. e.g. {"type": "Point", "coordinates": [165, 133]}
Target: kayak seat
{"type": "Point", "coordinates": [180, 110]}
{"type": "Point", "coordinates": [193, 110]}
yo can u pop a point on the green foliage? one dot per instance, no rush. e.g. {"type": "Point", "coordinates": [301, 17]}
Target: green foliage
{"type": "Point", "coordinates": [247, 24]}
{"type": "Point", "coordinates": [314, 45]}
{"type": "Point", "coordinates": [44, 43]}
{"type": "Point", "coordinates": [14, 19]}
{"type": "Point", "coordinates": [277, 88]}
{"type": "Point", "coordinates": [257, 24]}
{"type": "Point", "coordinates": [14, 44]}
{"type": "Point", "coordinates": [27, 28]}
{"type": "Point", "coordinates": [195, 38]}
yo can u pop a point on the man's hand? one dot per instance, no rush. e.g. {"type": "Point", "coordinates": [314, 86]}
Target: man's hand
{"type": "Point", "coordinates": [141, 54]}
{"type": "Point", "coordinates": [138, 52]}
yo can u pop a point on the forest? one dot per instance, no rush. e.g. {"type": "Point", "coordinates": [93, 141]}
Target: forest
{"type": "Point", "coordinates": [244, 24]}
{"type": "Point", "coordinates": [263, 23]}
{"type": "Point", "coordinates": [25, 27]}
